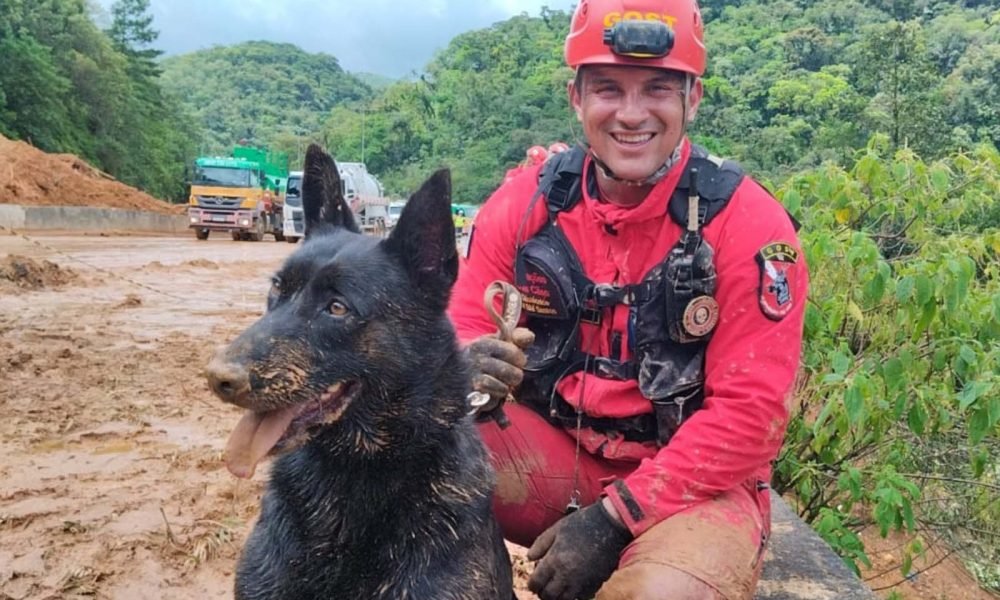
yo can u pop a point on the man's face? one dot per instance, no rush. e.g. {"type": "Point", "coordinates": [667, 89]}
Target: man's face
{"type": "Point", "coordinates": [632, 116]}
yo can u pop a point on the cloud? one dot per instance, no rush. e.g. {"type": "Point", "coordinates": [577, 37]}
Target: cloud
{"type": "Point", "coordinates": [388, 37]}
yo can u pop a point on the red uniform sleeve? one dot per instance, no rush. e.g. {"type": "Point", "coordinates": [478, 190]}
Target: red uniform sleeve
{"type": "Point", "coordinates": [750, 367]}
{"type": "Point", "coordinates": [490, 256]}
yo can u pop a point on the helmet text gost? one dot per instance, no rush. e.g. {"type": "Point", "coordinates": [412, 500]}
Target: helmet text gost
{"type": "Point", "coordinates": [665, 34]}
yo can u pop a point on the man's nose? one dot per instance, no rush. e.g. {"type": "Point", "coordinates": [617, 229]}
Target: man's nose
{"type": "Point", "coordinates": [633, 110]}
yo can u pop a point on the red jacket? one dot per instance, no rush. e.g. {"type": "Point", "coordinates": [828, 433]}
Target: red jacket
{"type": "Point", "coordinates": [751, 360]}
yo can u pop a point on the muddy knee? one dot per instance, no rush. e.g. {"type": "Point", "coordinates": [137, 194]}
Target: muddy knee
{"type": "Point", "coordinates": [648, 581]}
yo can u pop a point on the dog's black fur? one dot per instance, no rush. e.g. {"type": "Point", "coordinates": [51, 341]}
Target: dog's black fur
{"type": "Point", "coordinates": [386, 490]}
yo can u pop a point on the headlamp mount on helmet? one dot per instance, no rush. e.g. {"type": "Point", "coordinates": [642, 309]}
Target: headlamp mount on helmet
{"type": "Point", "coordinates": [639, 39]}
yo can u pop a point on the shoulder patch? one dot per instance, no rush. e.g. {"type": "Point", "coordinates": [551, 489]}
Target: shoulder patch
{"type": "Point", "coordinates": [777, 267]}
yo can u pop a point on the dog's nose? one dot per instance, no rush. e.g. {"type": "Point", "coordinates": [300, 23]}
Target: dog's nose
{"type": "Point", "coordinates": [230, 381]}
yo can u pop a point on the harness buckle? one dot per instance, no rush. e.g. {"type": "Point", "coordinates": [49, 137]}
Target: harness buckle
{"type": "Point", "coordinates": [606, 295]}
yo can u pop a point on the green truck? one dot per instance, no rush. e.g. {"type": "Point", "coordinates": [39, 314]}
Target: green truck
{"type": "Point", "coordinates": [242, 194]}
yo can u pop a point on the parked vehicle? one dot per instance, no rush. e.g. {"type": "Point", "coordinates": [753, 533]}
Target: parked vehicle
{"type": "Point", "coordinates": [242, 194]}
{"type": "Point", "coordinates": [363, 192]}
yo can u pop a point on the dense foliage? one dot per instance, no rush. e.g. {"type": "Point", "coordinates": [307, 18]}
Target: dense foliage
{"type": "Point", "coordinates": [899, 405]}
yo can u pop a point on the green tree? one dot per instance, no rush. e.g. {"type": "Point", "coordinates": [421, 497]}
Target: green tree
{"type": "Point", "coordinates": [907, 102]}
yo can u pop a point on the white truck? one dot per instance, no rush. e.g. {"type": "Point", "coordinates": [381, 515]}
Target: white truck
{"type": "Point", "coordinates": [362, 191]}
{"type": "Point", "coordinates": [292, 223]}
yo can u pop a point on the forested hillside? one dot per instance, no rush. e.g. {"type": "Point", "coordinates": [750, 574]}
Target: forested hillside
{"type": "Point", "coordinates": [67, 86]}
{"type": "Point", "coordinates": [260, 91]}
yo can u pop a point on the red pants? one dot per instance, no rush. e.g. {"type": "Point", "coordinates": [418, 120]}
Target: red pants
{"type": "Point", "coordinates": [718, 543]}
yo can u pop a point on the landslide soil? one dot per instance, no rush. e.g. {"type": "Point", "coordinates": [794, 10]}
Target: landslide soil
{"type": "Point", "coordinates": [112, 479]}
{"type": "Point", "coordinates": [31, 177]}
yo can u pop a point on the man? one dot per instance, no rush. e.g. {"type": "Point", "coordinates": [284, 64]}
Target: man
{"type": "Point", "coordinates": [665, 293]}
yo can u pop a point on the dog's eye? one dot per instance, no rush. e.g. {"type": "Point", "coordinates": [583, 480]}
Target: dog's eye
{"type": "Point", "coordinates": [338, 309]}
{"type": "Point", "coordinates": [275, 287]}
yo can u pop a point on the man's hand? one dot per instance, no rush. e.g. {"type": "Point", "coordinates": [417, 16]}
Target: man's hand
{"type": "Point", "coordinates": [577, 554]}
{"type": "Point", "coordinates": [497, 365]}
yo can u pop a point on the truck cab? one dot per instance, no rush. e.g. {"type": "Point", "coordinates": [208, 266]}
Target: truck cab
{"type": "Point", "coordinates": [241, 194]}
{"type": "Point", "coordinates": [293, 225]}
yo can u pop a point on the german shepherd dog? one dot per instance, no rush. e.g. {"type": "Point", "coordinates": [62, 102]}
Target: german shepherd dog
{"type": "Point", "coordinates": [353, 378]}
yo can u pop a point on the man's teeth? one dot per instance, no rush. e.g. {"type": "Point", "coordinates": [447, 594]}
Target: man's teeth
{"type": "Point", "coordinates": [635, 138]}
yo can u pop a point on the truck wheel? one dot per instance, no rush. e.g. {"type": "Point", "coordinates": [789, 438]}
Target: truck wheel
{"type": "Point", "coordinates": [291, 239]}
{"type": "Point", "coordinates": [201, 234]}
{"type": "Point", "coordinates": [258, 232]}
{"type": "Point", "coordinates": [235, 235]}
{"type": "Point", "coordinates": [279, 236]}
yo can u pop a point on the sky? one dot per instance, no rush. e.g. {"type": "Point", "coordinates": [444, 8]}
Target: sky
{"type": "Point", "coordinates": [394, 38]}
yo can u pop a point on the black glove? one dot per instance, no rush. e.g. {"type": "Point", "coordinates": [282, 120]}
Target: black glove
{"type": "Point", "coordinates": [578, 554]}
{"type": "Point", "coordinates": [496, 365]}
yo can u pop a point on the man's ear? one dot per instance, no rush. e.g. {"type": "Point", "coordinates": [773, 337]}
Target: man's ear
{"type": "Point", "coordinates": [573, 92]}
{"type": "Point", "coordinates": [424, 239]}
{"type": "Point", "coordinates": [323, 203]}
{"type": "Point", "coordinates": [694, 99]}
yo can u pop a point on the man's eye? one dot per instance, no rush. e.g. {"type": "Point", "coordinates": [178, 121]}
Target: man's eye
{"type": "Point", "coordinates": [338, 309]}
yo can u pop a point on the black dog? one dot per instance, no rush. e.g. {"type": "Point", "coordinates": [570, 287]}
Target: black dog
{"type": "Point", "coordinates": [383, 488]}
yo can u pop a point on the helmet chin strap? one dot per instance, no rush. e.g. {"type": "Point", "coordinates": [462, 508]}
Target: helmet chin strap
{"type": "Point", "coordinates": [672, 160]}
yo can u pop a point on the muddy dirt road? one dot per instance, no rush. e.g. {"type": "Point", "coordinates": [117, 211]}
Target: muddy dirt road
{"type": "Point", "coordinates": [112, 483]}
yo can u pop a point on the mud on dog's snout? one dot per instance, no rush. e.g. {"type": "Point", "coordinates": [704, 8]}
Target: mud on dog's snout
{"type": "Point", "coordinates": [228, 379]}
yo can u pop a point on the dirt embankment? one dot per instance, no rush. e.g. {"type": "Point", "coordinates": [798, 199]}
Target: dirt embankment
{"type": "Point", "coordinates": [31, 177]}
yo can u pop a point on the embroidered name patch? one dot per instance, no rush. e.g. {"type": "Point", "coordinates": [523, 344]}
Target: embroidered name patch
{"type": "Point", "coordinates": [776, 262]}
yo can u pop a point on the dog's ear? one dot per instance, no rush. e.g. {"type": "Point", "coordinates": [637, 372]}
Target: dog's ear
{"type": "Point", "coordinates": [424, 238]}
{"type": "Point", "coordinates": [323, 201]}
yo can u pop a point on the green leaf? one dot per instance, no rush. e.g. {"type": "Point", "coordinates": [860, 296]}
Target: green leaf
{"type": "Point", "coordinates": [792, 201]}
{"type": "Point", "coordinates": [979, 460]}
{"type": "Point", "coordinates": [979, 425]}
{"type": "Point", "coordinates": [904, 289]}
{"type": "Point", "coordinates": [892, 373]}
{"type": "Point", "coordinates": [854, 403]}
{"type": "Point", "coordinates": [875, 289]}
{"type": "Point", "coordinates": [926, 317]}
{"type": "Point", "coordinates": [940, 179]}
{"type": "Point", "coordinates": [840, 362]}
{"type": "Point", "coordinates": [924, 288]}
{"type": "Point", "coordinates": [970, 393]}
{"type": "Point", "coordinates": [917, 418]}
{"type": "Point", "coordinates": [969, 356]}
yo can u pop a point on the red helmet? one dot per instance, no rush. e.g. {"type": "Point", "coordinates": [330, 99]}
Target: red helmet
{"type": "Point", "coordinates": [558, 147]}
{"type": "Point", "coordinates": [537, 155]}
{"type": "Point", "coordinates": [599, 35]}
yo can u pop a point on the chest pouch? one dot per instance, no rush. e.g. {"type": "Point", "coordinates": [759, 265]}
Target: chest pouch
{"type": "Point", "coordinates": [548, 275]}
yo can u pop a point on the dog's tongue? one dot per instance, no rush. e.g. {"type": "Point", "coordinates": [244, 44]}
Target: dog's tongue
{"type": "Point", "coordinates": [253, 438]}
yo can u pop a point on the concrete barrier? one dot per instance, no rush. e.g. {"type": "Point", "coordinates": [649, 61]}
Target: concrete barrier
{"type": "Point", "coordinates": [89, 219]}
{"type": "Point", "coordinates": [11, 216]}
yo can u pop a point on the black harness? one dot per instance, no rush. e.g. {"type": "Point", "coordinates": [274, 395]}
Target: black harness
{"type": "Point", "coordinates": [672, 311]}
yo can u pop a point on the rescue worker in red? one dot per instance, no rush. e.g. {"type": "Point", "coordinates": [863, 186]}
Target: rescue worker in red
{"type": "Point", "coordinates": [663, 296]}
{"type": "Point", "coordinates": [535, 156]}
